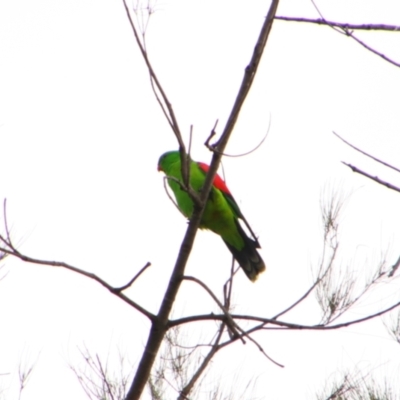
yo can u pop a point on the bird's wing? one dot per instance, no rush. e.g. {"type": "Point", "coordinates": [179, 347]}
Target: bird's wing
{"type": "Point", "coordinates": [220, 184]}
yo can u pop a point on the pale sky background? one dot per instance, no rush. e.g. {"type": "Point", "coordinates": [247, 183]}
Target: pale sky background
{"type": "Point", "coordinates": [80, 136]}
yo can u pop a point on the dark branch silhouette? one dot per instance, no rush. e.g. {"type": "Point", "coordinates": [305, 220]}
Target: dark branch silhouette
{"type": "Point", "coordinates": [374, 178]}
{"type": "Point", "coordinates": [160, 324]}
{"type": "Point", "coordinates": [346, 29]}
{"type": "Point", "coordinates": [365, 153]}
{"type": "Point", "coordinates": [343, 25]}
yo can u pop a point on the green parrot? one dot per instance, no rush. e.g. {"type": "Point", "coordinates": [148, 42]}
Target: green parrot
{"type": "Point", "coordinates": [221, 214]}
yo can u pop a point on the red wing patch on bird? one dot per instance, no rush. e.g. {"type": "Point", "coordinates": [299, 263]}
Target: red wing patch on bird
{"type": "Point", "coordinates": [218, 181]}
{"type": "Point", "coordinates": [221, 185]}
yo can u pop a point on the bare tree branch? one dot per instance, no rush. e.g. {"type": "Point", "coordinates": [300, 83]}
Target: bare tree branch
{"type": "Point", "coordinates": [115, 291]}
{"type": "Point", "coordinates": [357, 385]}
{"type": "Point", "coordinates": [130, 283]}
{"type": "Point", "coordinates": [369, 48]}
{"type": "Point", "coordinates": [346, 29]}
{"type": "Point", "coordinates": [365, 153]}
{"type": "Point", "coordinates": [395, 267]}
{"type": "Point", "coordinates": [96, 379]}
{"type": "Point", "coordinates": [160, 324]}
{"type": "Point", "coordinates": [343, 25]}
{"type": "Point", "coordinates": [196, 376]}
{"type": "Point", "coordinates": [213, 133]}
{"type": "Point", "coordinates": [374, 178]}
{"type": "Point", "coordinates": [165, 104]}
{"type": "Point", "coordinates": [232, 325]}
{"type": "Point", "coordinates": [277, 324]}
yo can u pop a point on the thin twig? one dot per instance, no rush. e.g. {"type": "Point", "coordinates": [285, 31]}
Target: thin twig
{"type": "Point", "coordinates": [232, 325]}
{"type": "Point", "coordinates": [278, 323]}
{"type": "Point", "coordinates": [230, 321]}
{"type": "Point", "coordinates": [247, 334]}
{"type": "Point", "coordinates": [395, 267]}
{"type": "Point", "coordinates": [211, 135]}
{"type": "Point", "coordinates": [374, 178]}
{"type": "Point", "coordinates": [343, 25]}
{"type": "Point", "coordinates": [15, 253]}
{"type": "Point", "coordinates": [372, 50]}
{"type": "Point", "coordinates": [190, 140]}
{"type": "Point", "coordinates": [305, 295]}
{"type": "Point", "coordinates": [124, 287]}
{"type": "Point", "coordinates": [171, 114]}
{"type": "Point", "coordinates": [161, 324]}
{"type": "Point", "coordinates": [214, 349]}
{"type": "Point", "coordinates": [228, 287]}
{"type": "Point", "coordinates": [247, 152]}
{"type": "Point", "coordinates": [365, 153]}
{"type": "Point", "coordinates": [349, 33]}
{"type": "Point", "coordinates": [345, 29]}
{"type": "Point", "coordinates": [6, 221]}
{"type": "Point", "coordinates": [104, 377]}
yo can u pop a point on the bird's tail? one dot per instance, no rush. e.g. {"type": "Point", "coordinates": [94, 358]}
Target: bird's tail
{"type": "Point", "coordinates": [248, 257]}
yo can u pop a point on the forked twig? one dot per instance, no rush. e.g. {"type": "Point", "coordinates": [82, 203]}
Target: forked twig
{"type": "Point", "coordinates": [161, 324]}
{"type": "Point", "coordinates": [168, 110]}
{"type": "Point", "coordinates": [346, 29]}
{"type": "Point", "coordinates": [214, 349]}
{"type": "Point", "coordinates": [211, 148]}
{"type": "Point", "coordinates": [130, 283]}
{"type": "Point", "coordinates": [230, 322]}
{"type": "Point", "coordinates": [11, 250]}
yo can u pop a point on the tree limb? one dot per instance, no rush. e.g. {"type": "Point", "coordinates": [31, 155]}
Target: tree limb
{"type": "Point", "coordinates": [280, 324]}
{"type": "Point", "coordinates": [90, 275]}
{"type": "Point", "coordinates": [160, 324]}
{"type": "Point", "coordinates": [365, 153]}
{"type": "Point", "coordinates": [343, 25]}
{"type": "Point", "coordinates": [374, 178]}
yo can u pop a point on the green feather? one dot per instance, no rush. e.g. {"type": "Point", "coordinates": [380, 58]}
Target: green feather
{"type": "Point", "coordinates": [221, 214]}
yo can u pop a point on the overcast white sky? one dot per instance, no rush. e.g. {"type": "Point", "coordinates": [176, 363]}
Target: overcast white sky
{"type": "Point", "coordinates": [80, 136]}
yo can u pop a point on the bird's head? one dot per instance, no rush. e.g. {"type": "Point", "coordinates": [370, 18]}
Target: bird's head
{"type": "Point", "coordinates": [167, 159]}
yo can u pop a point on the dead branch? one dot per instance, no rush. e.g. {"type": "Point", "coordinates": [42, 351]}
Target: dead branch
{"type": "Point", "coordinates": [343, 25]}
{"type": "Point", "coordinates": [160, 324]}
{"type": "Point", "coordinates": [395, 267]}
{"type": "Point", "coordinates": [346, 29]}
{"type": "Point", "coordinates": [374, 178]}
{"type": "Point", "coordinates": [130, 283]}
{"type": "Point", "coordinates": [165, 104]}
{"type": "Point", "coordinates": [365, 153]}
{"type": "Point", "coordinates": [232, 325]}
{"type": "Point", "coordinates": [97, 381]}
{"type": "Point", "coordinates": [200, 370]}
{"type": "Point", "coordinates": [12, 251]}
{"type": "Point", "coordinates": [277, 324]}
{"type": "Point", "coordinates": [369, 48]}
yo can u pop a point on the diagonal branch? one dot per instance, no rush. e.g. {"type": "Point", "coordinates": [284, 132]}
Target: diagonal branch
{"type": "Point", "coordinates": [346, 29]}
{"type": "Point", "coordinates": [374, 178]}
{"type": "Point", "coordinates": [232, 325]}
{"type": "Point", "coordinates": [369, 48]}
{"type": "Point", "coordinates": [365, 153]}
{"type": "Point", "coordinates": [165, 104]}
{"type": "Point", "coordinates": [214, 349]}
{"type": "Point", "coordinates": [115, 291]}
{"type": "Point", "coordinates": [132, 281]}
{"type": "Point", "coordinates": [160, 325]}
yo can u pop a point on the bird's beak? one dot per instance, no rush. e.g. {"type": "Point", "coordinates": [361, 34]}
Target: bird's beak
{"type": "Point", "coordinates": [159, 168]}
